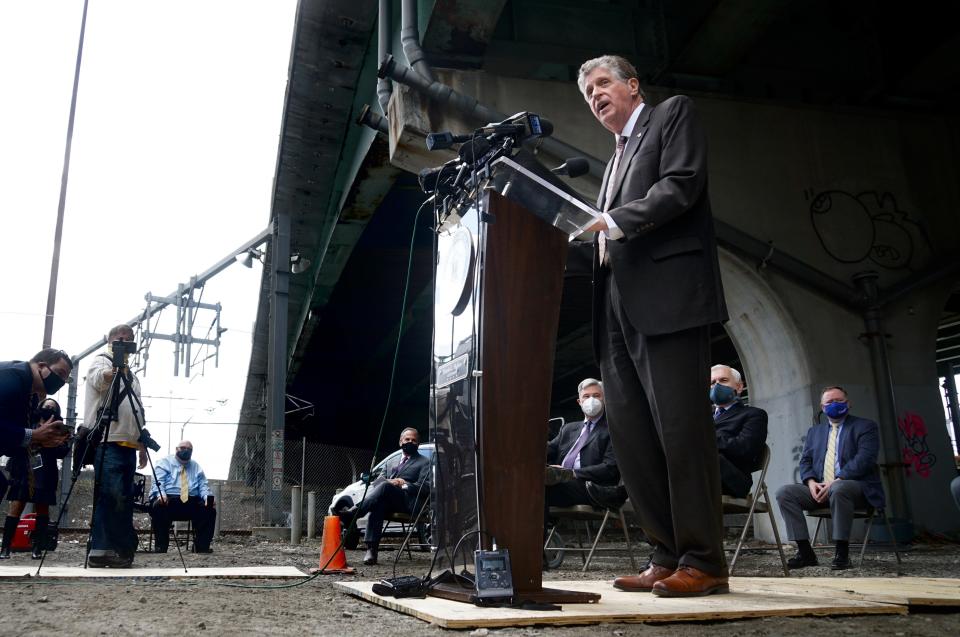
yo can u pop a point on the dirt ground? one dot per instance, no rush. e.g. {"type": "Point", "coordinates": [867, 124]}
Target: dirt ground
{"type": "Point", "coordinates": [36, 606]}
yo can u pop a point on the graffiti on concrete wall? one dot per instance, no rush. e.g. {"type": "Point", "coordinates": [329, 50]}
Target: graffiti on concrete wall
{"type": "Point", "coordinates": [868, 226]}
{"type": "Point", "coordinates": [916, 449]}
{"type": "Point", "coordinates": [797, 453]}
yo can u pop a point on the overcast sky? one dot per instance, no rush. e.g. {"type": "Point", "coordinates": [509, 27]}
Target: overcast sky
{"type": "Point", "coordinates": [174, 150]}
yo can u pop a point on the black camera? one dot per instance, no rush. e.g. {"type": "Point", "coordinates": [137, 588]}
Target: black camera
{"type": "Point", "coordinates": [124, 348]}
{"type": "Point", "coordinates": [147, 441]}
{"type": "Point", "coordinates": [45, 413]}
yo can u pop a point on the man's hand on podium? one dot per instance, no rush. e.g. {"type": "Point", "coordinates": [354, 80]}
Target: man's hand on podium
{"type": "Point", "coordinates": [600, 225]}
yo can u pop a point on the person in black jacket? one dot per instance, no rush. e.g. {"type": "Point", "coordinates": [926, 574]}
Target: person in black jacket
{"type": "Point", "coordinates": [582, 449]}
{"type": "Point", "coordinates": [34, 477]}
{"type": "Point", "coordinates": [402, 485]}
{"type": "Point", "coordinates": [741, 431]}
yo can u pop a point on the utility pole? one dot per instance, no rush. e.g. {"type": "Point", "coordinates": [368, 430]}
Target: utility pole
{"type": "Point", "coordinates": [58, 233]}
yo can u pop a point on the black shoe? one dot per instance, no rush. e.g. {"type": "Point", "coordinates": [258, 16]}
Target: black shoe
{"type": "Point", "coordinates": [370, 557]}
{"type": "Point", "coordinates": [346, 516]}
{"type": "Point", "coordinates": [607, 497]}
{"type": "Point", "coordinates": [9, 530]}
{"type": "Point", "coordinates": [800, 560]}
{"type": "Point", "coordinates": [206, 550]}
{"type": "Point", "coordinates": [109, 561]}
{"type": "Point", "coordinates": [39, 537]}
{"type": "Point", "coordinates": [840, 562]}
{"type": "Point", "coordinates": [158, 549]}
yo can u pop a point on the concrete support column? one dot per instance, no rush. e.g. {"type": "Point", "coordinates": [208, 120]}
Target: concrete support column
{"type": "Point", "coordinates": [277, 367]}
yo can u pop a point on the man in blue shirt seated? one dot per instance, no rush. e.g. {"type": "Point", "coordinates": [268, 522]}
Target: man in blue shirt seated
{"type": "Point", "coordinates": [183, 494]}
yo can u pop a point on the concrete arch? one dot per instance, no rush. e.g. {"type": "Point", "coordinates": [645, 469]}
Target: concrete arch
{"type": "Point", "coordinates": [777, 368]}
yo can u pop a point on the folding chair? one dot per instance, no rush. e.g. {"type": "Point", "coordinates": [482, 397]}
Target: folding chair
{"type": "Point", "coordinates": [587, 514]}
{"type": "Point", "coordinates": [869, 514]}
{"type": "Point", "coordinates": [754, 504]}
{"type": "Point", "coordinates": [408, 524]}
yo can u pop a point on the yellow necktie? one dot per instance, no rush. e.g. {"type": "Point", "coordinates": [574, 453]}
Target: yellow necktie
{"type": "Point", "coordinates": [830, 460]}
{"type": "Point", "coordinates": [184, 487]}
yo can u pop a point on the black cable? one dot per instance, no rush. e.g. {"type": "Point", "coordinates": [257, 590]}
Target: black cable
{"type": "Point", "coordinates": [383, 421]}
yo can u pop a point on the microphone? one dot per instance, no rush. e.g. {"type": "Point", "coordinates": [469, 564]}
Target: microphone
{"type": "Point", "coordinates": [523, 124]}
{"type": "Point", "coordinates": [434, 179]}
{"type": "Point", "coordinates": [572, 167]}
{"type": "Point", "coordinates": [444, 140]}
{"type": "Point", "coordinates": [474, 149]}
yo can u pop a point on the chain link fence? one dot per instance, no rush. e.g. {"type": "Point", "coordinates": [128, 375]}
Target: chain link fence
{"type": "Point", "coordinates": [323, 469]}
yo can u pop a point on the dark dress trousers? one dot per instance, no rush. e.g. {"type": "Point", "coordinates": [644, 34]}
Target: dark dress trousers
{"type": "Point", "coordinates": [741, 435]}
{"type": "Point", "coordinates": [653, 304]}
{"type": "Point", "coordinates": [16, 404]}
{"type": "Point", "coordinates": [858, 483]}
{"type": "Point", "coordinates": [597, 462]}
{"type": "Point", "coordinates": [384, 498]}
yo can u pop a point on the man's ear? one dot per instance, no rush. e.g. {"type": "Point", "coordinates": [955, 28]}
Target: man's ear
{"type": "Point", "coordinates": [634, 85]}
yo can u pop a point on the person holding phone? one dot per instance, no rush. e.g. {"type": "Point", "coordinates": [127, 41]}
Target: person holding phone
{"type": "Point", "coordinates": [33, 478]}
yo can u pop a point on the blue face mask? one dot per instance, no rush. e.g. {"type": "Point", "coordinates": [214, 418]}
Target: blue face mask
{"type": "Point", "coordinates": [722, 394]}
{"type": "Point", "coordinates": [836, 411]}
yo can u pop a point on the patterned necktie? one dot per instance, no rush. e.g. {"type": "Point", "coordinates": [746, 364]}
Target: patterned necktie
{"type": "Point", "coordinates": [830, 460]}
{"type": "Point", "coordinates": [396, 471]}
{"type": "Point", "coordinates": [608, 196]}
{"type": "Point", "coordinates": [184, 487]}
{"type": "Point", "coordinates": [570, 459]}
{"type": "Point", "coordinates": [716, 414]}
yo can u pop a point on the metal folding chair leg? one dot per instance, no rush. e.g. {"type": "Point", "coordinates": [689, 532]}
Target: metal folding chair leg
{"type": "Point", "coordinates": [866, 540]}
{"type": "Point", "coordinates": [596, 540]}
{"type": "Point", "coordinates": [626, 536]}
{"type": "Point", "coordinates": [893, 540]}
{"type": "Point", "coordinates": [776, 534]}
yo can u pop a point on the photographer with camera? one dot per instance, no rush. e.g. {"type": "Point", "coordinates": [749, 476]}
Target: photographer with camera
{"type": "Point", "coordinates": [114, 540]}
{"type": "Point", "coordinates": [34, 476]}
{"type": "Point", "coordinates": [22, 386]}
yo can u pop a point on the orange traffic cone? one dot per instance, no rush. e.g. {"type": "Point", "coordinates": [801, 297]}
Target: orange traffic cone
{"type": "Point", "coordinates": [332, 548]}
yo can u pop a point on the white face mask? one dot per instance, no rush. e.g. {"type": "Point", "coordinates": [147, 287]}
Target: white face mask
{"type": "Point", "coordinates": [591, 407]}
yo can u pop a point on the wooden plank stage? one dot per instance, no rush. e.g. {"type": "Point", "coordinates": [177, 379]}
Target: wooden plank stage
{"type": "Point", "coordinates": [905, 591]}
{"type": "Point", "coordinates": [78, 572]}
{"type": "Point", "coordinates": [618, 606]}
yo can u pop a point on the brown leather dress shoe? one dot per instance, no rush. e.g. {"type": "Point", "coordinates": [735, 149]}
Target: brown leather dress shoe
{"type": "Point", "coordinates": [690, 582]}
{"type": "Point", "coordinates": [642, 583]}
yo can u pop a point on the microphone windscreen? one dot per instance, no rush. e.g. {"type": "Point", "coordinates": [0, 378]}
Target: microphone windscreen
{"type": "Point", "coordinates": [577, 166]}
{"type": "Point", "coordinates": [546, 127]}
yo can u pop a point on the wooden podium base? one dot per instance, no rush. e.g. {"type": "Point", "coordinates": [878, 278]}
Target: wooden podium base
{"type": "Point", "coordinates": [458, 593]}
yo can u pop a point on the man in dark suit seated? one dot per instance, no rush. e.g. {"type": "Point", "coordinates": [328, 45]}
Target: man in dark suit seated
{"type": "Point", "coordinates": [741, 431]}
{"type": "Point", "coordinates": [838, 468]}
{"type": "Point", "coordinates": [403, 484]}
{"type": "Point", "coordinates": [581, 454]}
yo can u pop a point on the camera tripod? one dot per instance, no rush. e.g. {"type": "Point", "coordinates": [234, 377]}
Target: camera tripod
{"type": "Point", "coordinates": [121, 388]}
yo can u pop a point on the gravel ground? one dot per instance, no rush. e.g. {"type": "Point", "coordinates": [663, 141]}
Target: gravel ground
{"type": "Point", "coordinates": [163, 607]}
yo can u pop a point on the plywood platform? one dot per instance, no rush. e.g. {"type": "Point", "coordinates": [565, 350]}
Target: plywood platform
{"type": "Point", "coordinates": [905, 591]}
{"type": "Point", "coordinates": [618, 606]}
{"type": "Point", "coordinates": [78, 572]}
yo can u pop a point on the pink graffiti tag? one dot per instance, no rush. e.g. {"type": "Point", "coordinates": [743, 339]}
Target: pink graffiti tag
{"type": "Point", "coordinates": [916, 450]}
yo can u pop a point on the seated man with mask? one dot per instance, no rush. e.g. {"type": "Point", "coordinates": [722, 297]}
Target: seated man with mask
{"type": "Point", "coordinates": [580, 457]}
{"type": "Point", "coordinates": [403, 484]}
{"type": "Point", "coordinates": [741, 431]}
